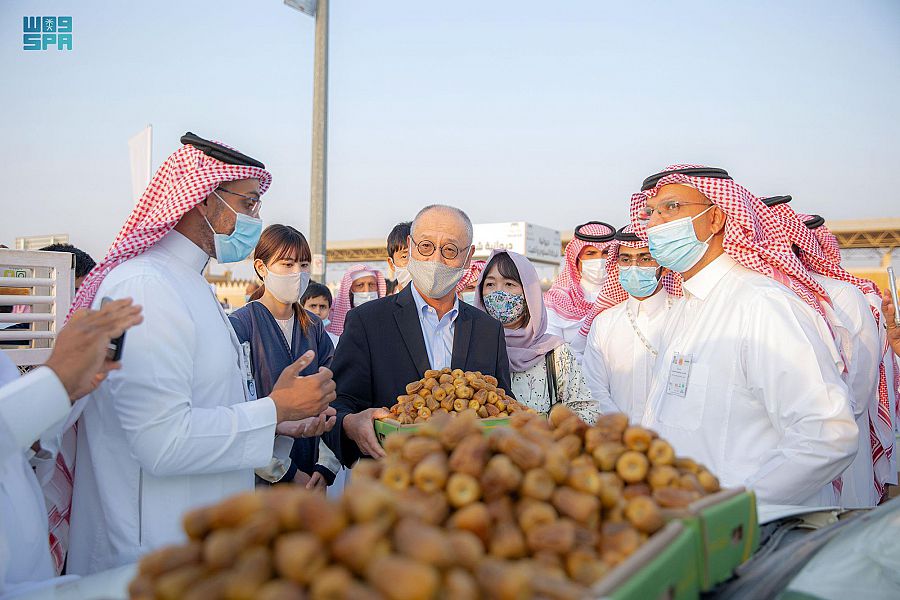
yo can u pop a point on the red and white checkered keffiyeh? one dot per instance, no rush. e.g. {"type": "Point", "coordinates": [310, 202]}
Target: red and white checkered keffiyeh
{"type": "Point", "coordinates": [815, 258]}
{"type": "Point", "coordinates": [752, 236]}
{"type": "Point", "coordinates": [565, 297]}
{"type": "Point", "coordinates": [827, 241]}
{"type": "Point", "coordinates": [184, 180]}
{"type": "Point", "coordinates": [612, 293]}
{"type": "Point", "coordinates": [471, 276]}
{"type": "Point", "coordinates": [342, 299]}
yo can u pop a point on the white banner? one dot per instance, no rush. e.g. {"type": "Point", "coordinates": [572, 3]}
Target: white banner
{"type": "Point", "coordinates": [140, 148]}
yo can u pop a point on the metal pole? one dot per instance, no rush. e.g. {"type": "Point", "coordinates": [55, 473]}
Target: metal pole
{"type": "Point", "coordinates": [319, 145]}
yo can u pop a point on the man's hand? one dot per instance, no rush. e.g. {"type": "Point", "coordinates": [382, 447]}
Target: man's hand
{"type": "Point", "coordinates": [311, 427]}
{"type": "Point", "coordinates": [79, 355]}
{"type": "Point", "coordinates": [297, 397]}
{"type": "Point", "coordinates": [317, 482]}
{"type": "Point", "coordinates": [359, 428]}
{"type": "Point", "coordinates": [893, 332]}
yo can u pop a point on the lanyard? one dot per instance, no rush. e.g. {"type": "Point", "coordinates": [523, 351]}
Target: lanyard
{"type": "Point", "coordinates": [637, 330]}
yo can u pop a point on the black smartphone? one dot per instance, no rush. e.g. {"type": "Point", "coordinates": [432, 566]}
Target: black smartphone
{"type": "Point", "coordinates": [114, 349]}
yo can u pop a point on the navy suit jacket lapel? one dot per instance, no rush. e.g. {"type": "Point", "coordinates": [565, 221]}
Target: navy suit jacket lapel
{"type": "Point", "coordinates": [407, 318]}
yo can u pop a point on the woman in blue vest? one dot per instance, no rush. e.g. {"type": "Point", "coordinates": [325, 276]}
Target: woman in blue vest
{"type": "Point", "coordinates": [279, 331]}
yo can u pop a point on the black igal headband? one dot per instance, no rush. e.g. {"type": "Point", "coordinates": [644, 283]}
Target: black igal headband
{"type": "Point", "coordinates": [712, 172]}
{"type": "Point", "coordinates": [594, 237]}
{"type": "Point", "coordinates": [776, 200]}
{"type": "Point", "coordinates": [627, 236]}
{"type": "Point", "coordinates": [814, 222]}
{"type": "Point", "coordinates": [220, 152]}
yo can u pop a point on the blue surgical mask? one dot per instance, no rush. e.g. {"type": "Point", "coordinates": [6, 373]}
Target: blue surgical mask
{"type": "Point", "coordinates": [239, 244]}
{"type": "Point", "coordinates": [674, 245]}
{"type": "Point", "coordinates": [640, 282]}
{"type": "Point", "coordinates": [469, 297]}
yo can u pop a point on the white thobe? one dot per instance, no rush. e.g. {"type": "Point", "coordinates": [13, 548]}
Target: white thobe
{"type": "Point", "coordinates": [171, 430]}
{"type": "Point", "coordinates": [617, 364]}
{"type": "Point", "coordinates": [568, 330]}
{"type": "Point", "coordinates": [764, 404]}
{"type": "Point", "coordinates": [863, 358]}
{"type": "Point", "coordinates": [29, 406]}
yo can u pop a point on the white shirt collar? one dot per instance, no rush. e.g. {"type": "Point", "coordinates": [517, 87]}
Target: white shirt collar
{"type": "Point", "coordinates": [183, 249]}
{"type": "Point", "coordinates": [651, 305]}
{"type": "Point", "coordinates": [422, 306]}
{"type": "Point", "coordinates": [702, 283]}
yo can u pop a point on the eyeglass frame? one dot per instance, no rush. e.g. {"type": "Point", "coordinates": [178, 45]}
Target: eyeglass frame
{"type": "Point", "coordinates": [632, 260]}
{"type": "Point", "coordinates": [435, 247]}
{"type": "Point", "coordinates": [257, 202]}
{"type": "Point", "coordinates": [656, 210]}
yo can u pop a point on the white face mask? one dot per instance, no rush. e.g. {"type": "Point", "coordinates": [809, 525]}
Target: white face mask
{"type": "Point", "coordinates": [434, 279]}
{"type": "Point", "coordinates": [469, 297]}
{"type": "Point", "coordinates": [288, 288]}
{"type": "Point", "coordinates": [402, 275]}
{"type": "Point", "coordinates": [593, 270]}
{"type": "Point", "coordinates": [360, 298]}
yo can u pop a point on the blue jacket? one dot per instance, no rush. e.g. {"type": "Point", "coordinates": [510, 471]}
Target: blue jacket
{"type": "Point", "coordinates": [270, 355]}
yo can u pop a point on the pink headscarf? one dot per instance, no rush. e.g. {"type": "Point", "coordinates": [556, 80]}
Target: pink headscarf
{"type": "Point", "coordinates": [565, 297]}
{"type": "Point", "coordinates": [527, 345]}
{"type": "Point", "coordinates": [342, 299]}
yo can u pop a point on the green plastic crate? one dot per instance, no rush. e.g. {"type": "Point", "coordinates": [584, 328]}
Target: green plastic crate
{"type": "Point", "coordinates": [728, 529]}
{"type": "Point", "coordinates": [665, 567]}
{"type": "Point", "coordinates": [385, 427]}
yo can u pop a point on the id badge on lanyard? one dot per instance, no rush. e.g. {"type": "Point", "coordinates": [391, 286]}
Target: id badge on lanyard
{"type": "Point", "coordinates": [247, 371]}
{"type": "Point", "coordinates": [679, 374]}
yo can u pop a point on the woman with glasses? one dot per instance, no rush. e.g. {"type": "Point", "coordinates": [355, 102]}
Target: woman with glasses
{"type": "Point", "coordinates": [623, 341]}
{"type": "Point", "coordinates": [543, 369]}
{"type": "Point", "coordinates": [573, 293]}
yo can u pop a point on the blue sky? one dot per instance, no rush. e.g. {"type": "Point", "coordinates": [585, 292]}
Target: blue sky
{"type": "Point", "coordinates": [549, 112]}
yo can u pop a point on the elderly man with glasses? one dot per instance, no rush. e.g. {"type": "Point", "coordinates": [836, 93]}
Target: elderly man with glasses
{"type": "Point", "coordinates": [623, 341]}
{"type": "Point", "coordinates": [390, 342]}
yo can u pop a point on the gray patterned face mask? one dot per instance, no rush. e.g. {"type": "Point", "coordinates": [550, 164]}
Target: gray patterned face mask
{"type": "Point", "coordinates": [434, 279]}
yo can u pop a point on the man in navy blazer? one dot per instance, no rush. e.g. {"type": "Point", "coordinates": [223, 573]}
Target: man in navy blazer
{"type": "Point", "coordinates": [390, 342]}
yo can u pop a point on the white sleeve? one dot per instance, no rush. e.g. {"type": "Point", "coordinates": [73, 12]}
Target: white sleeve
{"type": "Point", "coordinates": [29, 406]}
{"type": "Point", "coordinates": [863, 370]}
{"type": "Point", "coordinates": [789, 366]}
{"type": "Point", "coordinates": [327, 458]}
{"type": "Point", "coordinates": [152, 395]}
{"type": "Point", "coordinates": [596, 372]}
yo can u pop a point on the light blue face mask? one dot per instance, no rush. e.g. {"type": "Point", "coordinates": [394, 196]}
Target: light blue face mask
{"type": "Point", "coordinates": [469, 297]}
{"type": "Point", "coordinates": [239, 244]}
{"type": "Point", "coordinates": [674, 245]}
{"type": "Point", "coordinates": [640, 282]}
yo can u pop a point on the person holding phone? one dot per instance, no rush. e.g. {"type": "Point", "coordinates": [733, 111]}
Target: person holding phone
{"type": "Point", "coordinates": [32, 407]}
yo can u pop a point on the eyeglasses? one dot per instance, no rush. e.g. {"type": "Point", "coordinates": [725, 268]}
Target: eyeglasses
{"type": "Point", "coordinates": [640, 260]}
{"type": "Point", "coordinates": [427, 248]}
{"type": "Point", "coordinates": [667, 210]}
{"type": "Point", "coordinates": [252, 203]}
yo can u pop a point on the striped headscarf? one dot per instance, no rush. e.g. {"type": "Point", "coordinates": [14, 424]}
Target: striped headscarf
{"type": "Point", "coordinates": [612, 293]}
{"type": "Point", "coordinates": [183, 181]}
{"type": "Point", "coordinates": [752, 235]}
{"type": "Point", "coordinates": [565, 297]}
{"type": "Point", "coordinates": [816, 260]}
{"type": "Point", "coordinates": [342, 299]}
{"type": "Point", "coordinates": [471, 276]}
